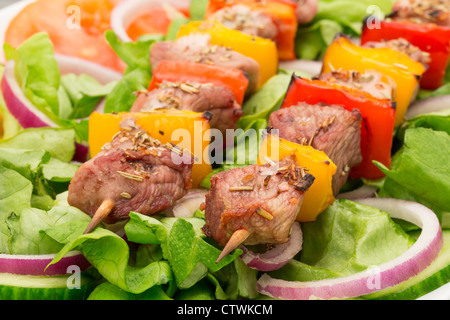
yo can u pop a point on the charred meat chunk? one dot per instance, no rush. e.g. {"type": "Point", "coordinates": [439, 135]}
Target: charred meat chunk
{"type": "Point", "coordinates": [197, 48]}
{"type": "Point", "coordinates": [219, 101]}
{"type": "Point", "coordinates": [242, 18]}
{"type": "Point", "coordinates": [404, 46]}
{"type": "Point", "coordinates": [134, 173]}
{"type": "Point", "coordinates": [369, 81]}
{"type": "Point", "coordinates": [422, 11]}
{"type": "Point", "coordinates": [330, 129]}
{"type": "Point", "coordinates": [255, 204]}
{"type": "Point", "coordinates": [306, 10]}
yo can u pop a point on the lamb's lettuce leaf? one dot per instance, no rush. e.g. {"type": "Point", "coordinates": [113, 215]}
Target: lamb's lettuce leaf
{"type": "Point", "coordinates": [333, 17]}
{"type": "Point", "coordinates": [136, 77]}
{"type": "Point", "coordinates": [185, 258]}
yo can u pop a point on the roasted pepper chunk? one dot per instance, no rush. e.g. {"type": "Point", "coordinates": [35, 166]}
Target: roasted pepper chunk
{"type": "Point", "coordinates": [263, 51]}
{"type": "Point", "coordinates": [405, 72]}
{"type": "Point", "coordinates": [229, 78]}
{"type": "Point", "coordinates": [430, 38]}
{"type": "Point", "coordinates": [378, 118]}
{"type": "Point", "coordinates": [320, 195]}
{"type": "Point", "coordinates": [283, 14]}
{"type": "Point", "coordinates": [188, 130]}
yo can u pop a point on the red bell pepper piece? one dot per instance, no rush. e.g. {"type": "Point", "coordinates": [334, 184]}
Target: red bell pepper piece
{"type": "Point", "coordinates": [181, 71]}
{"type": "Point", "coordinates": [378, 119]}
{"type": "Point", "coordinates": [429, 38]}
{"type": "Point", "coordinates": [283, 14]}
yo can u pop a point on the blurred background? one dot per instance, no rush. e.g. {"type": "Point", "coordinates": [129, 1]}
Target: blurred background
{"type": "Point", "coordinates": [4, 3]}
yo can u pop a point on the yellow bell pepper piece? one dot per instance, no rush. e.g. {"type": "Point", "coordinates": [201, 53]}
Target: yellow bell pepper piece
{"type": "Point", "coordinates": [263, 51]}
{"type": "Point", "coordinates": [162, 125]}
{"type": "Point", "coordinates": [320, 195]}
{"type": "Point", "coordinates": [405, 72]}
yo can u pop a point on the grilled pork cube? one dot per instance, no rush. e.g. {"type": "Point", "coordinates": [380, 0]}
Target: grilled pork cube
{"type": "Point", "coordinates": [242, 18]}
{"type": "Point", "coordinates": [135, 172]}
{"type": "Point", "coordinates": [197, 48]}
{"type": "Point", "coordinates": [330, 129]}
{"type": "Point", "coordinates": [422, 11]}
{"type": "Point", "coordinates": [219, 101]}
{"type": "Point", "coordinates": [370, 81]}
{"type": "Point", "coordinates": [262, 201]}
{"type": "Point", "coordinates": [306, 10]}
{"type": "Point", "coordinates": [404, 46]}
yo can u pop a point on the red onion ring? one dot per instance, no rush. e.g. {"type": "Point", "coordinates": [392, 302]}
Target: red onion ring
{"type": "Point", "coordinates": [410, 263]}
{"type": "Point", "coordinates": [186, 206]}
{"type": "Point", "coordinates": [428, 105]}
{"type": "Point", "coordinates": [362, 192]}
{"type": "Point", "coordinates": [314, 68]}
{"type": "Point", "coordinates": [35, 264]}
{"type": "Point", "coordinates": [277, 257]}
{"type": "Point", "coordinates": [127, 11]}
{"type": "Point", "coordinates": [28, 116]}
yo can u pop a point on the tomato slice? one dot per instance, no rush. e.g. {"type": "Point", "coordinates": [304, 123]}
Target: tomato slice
{"type": "Point", "coordinates": [75, 27]}
{"type": "Point", "coordinates": [156, 21]}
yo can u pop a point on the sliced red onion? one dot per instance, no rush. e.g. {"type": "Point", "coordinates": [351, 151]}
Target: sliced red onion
{"type": "Point", "coordinates": [428, 105]}
{"type": "Point", "coordinates": [128, 11]}
{"type": "Point", "coordinates": [311, 67]}
{"type": "Point", "coordinates": [35, 264]}
{"type": "Point", "coordinates": [186, 206]}
{"type": "Point", "coordinates": [362, 192]}
{"type": "Point", "coordinates": [277, 257]}
{"type": "Point", "coordinates": [18, 105]}
{"type": "Point", "coordinates": [410, 263]}
{"type": "Point", "coordinates": [28, 116]}
{"type": "Point", "coordinates": [79, 66]}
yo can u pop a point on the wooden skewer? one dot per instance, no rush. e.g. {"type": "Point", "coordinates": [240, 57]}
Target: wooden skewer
{"type": "Point", "coordinates": [102, 212]}
{"type": "Point", "coordinates": [236, 239]}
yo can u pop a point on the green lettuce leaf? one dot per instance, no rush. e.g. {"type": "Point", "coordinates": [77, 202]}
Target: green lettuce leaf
{"type": "Point", "coordinates": [108, 291]}
{"type": "Point", "coordinates": [418, 173]}
{"type": "Point", "coordinates": [64, 99]}
{"type": "Point", "coordinates": [84, 93]}
{"type": "Point", "coordinates": [37, 72]}
{"type": "Point", "coordinates": [34, 168]}
{"type": "Point", "coordinates": [110, 255]}
{"type": "Point", "coordinates": [137, 76]}
{"type": "Point", "coordinates": [266, 100]}
{"type": "Point", "coordinates": [186, 256]}
{"type": "Point", "coordinates": [60, 143]}
{"type": "Point", "coordinates": [349, 237]}
{"type": "Point", "coordinates": [334, 17]}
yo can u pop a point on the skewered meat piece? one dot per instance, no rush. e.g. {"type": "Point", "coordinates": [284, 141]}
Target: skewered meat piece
{"type": "Point", "coordinates": [242, 18]}
{"type": "Point", "coordinates": [219, 101]}
{"type": "Point", "coordinates": [330, 129]}
{"type": "Point", "coordinates": [422, 11]}
{"type": "Point", "coordinates": [132, 173]}
{"type": "Point", "coordinates": [306, 10]}
{"type": "Point", "coordinates": [255, 204]}
{"type": "Point", "coordinates": [197, 48]}
{"type": "Point", "coordinates": [370, 81]}
{"type": "Point", "coordinates": [404, 46]}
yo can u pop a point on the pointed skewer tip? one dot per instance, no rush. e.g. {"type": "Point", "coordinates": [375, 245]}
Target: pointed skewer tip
{"type": "Point", "coordinates": [102, 212]}
{"type": "Point", "coordinates": [238, 237]}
